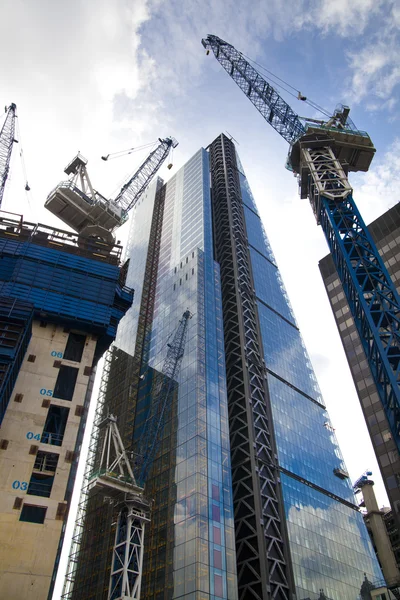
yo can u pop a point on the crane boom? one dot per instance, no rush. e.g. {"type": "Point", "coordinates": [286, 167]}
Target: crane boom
{"type": "Point", "coordinates": [6, 143]}
{"type": "Point", "coordinates": [266, 100]}
{"type": "Point", "coordinates": [150, 436]}
{"type": "Point", "coordinates": [321, 156]}
{"type": "Point", "coordinates": [134, 188]}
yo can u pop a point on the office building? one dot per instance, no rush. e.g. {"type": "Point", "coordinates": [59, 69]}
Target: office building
{"type": "Point", "coordinates": [386, 233]}
{"type": "Point", "coordinates": [60, 304]}
{"type": "Point", "coordinates": [250, 497]}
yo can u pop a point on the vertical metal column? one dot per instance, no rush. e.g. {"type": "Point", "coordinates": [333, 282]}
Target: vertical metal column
{"type": "Point", "coordinates": [370, 292]}
{"type": "Point", "coordinates": [263, 558]}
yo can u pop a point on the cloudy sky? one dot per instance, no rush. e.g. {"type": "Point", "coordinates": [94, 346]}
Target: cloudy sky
{"type": "Point", "coordinates": [99, 76]}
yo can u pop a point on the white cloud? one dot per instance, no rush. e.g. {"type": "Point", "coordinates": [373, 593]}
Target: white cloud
{"type": "Point", "coordinates": [378, 189]}
{"type": "Point", "coordinates": [69, 66]}
{"type": "Point", "coordinates": [375, 64]}
{"type": "Point", "coordinates": [342, 17]}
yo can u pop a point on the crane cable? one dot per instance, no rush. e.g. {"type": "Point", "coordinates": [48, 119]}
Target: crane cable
{"type": "Point", "coordinates": [121, 153]}
{"type": "Point", "coordinates": [18, 139]}
{"type": "Point", "coordinates": [297, 95]}
{"type": "Point", "coordinates": [126, 177]}
{"type": "Point", "coordinates": [21, 154]}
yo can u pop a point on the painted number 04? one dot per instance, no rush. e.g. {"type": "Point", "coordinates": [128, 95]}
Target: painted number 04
{"type": "Point", "coordinates": [33, 436]}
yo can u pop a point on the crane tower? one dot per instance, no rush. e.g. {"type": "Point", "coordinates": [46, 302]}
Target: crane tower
{"type": "Point", "coordinates": [321, 154]}
{"type": "Point", "coordinates": [7, 140]}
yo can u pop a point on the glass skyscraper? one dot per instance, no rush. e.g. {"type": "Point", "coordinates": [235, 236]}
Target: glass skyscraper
{"type": "Point", "coordinates": [250, 495]}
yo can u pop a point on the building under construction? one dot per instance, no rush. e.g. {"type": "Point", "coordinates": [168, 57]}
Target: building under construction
{"type": "Point", "coordinates": [61, 299]}
{"type": "Point", "coordinates": [247, 493]}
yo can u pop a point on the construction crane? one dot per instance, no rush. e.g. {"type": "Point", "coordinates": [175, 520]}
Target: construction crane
{"type": "Point", "coordinates": [7, 139]}
{"type": "Point", "coordinates": [122, 480]}
{"type": "Point", "coordinates": [150, 437]}
{"type": "Point", "coordinates": [89, 213]}
{"type": "Point", "coordinates": [321, 154]}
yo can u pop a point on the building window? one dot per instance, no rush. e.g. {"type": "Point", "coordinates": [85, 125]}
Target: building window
{"type": "Point", "coordinates": [46, 461]}
{"type": "Point", "coordinates": [215, 492]}
{"type": "Point", "coordinates": [75, 347]}
{"type": "Point", "coordinates": [216, 513]}
{"type": "Point", "coordinates": [218, 559]}
{"type": "Point", "coordinates": [65, 384]}
{"type": "Point", "coordinates": [40, 485]}
{"type": "Point", "coordinates": [33, 514]}
{"type": "Point", "coordinates": [218, 588]}
{"type": "Point", "coordinates": [53, 432]}
{"type": "Point", "coordinates": [217, 535]}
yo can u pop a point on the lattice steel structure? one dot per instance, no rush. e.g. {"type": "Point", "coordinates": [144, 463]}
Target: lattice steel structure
{"type": "Point", "coordinates": [134, 188]}
{"type": "Point", "coordinates": [150, 437]}
{"type": "Point", "coordinates": [263, 560]}
{"type": "Point", "coordinates": [6, 144]}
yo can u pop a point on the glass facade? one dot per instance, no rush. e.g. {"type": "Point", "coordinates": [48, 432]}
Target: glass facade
{"type": "Point", "coordinates": [247, 456]}
{"type": "Point", "coordinates": [189, 548]}
{"type": "Point", "coordinates": [329, 543]}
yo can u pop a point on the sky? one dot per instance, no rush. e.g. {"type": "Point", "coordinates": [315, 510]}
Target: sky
{"type": "Point", "coordinates": [100, 76]}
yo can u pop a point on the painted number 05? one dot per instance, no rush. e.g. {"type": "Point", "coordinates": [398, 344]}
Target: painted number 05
{"type": "Point", "coordinates": [44, 392]}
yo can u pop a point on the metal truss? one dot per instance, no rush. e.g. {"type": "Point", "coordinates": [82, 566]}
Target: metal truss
{"type": "Point", "coordinates": [151, 435]}
{"type": "Point", "coordinates": [134, 188]}
{"type": "Point", "coordinates": [7, 140]}
{"type": "Point", "coordinates": [262, 552]}
{"type": "Point", "coordinates": [370, 292]}
{"type": "Point", "coordinates": [266, 100]}
{"type": "Point", "coordinates": [127, 567]}
{"type": "Point", "coordinates": [321, 174]}
{"type": "Point", "coordinates": [115, 477]}
{"type": "Point", "coordinates": [75, 568]}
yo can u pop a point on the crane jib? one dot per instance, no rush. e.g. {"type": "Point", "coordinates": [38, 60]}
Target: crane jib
{"type": "Point", "coordinates": [264, 97]}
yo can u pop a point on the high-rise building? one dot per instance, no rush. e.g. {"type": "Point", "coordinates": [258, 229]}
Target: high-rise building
{"type": "Point", "coordinates": [385, 231]}
{"type": "Point", "coordinates": [60, 304]}
{"type": "Point", "coordinates": [250, 496]}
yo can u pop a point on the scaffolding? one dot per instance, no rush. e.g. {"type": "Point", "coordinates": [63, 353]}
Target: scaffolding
{"type": "Point", "coordinates": [84, 534]}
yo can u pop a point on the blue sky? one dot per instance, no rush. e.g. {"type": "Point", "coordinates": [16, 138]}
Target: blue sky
{"type": "Point", "coordinates": [100, 76]}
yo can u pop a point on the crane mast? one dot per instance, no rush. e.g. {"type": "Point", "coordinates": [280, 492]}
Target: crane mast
{"type": "Point", "coordinates": [150, 437]}
{"type": "Point", "coordinates": [7, 140]}
{"type": "Point", "coordinates": [89, 213]}
{"type": "Point", "coordinates": [321, 156]}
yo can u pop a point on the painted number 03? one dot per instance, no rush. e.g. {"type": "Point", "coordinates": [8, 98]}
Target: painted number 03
{"type": "Point", "coordinates": [44, 392]}
{"type": "Point", "coordinates": [56, 354]}
{"type": "Point", "coordinates": [20, 485]}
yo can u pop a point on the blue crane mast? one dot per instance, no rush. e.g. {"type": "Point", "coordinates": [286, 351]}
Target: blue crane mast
{"type": "Point", "coordinates": [7, 140]}
{"type": "Point", "coordinates": [321, 154]}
